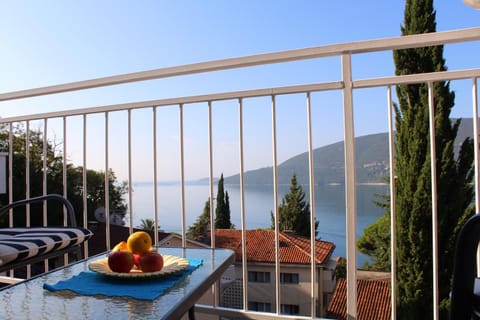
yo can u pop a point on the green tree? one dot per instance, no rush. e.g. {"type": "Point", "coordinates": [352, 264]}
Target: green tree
{"type": "Point", "coordinates": [54, 177]}
{"type": "Point", "coordinates": [222, 211]}
{"type": "Point", "coordinates": [341, 269]}
{"type": "Point", "coordinates": [375, 242]}
{"type": "Point", "coordinates": [147, 224]}
{"type": "Point", "coordinates": [413, 200]}
{"type": "Point", "coordinates": [294, 211]}
{"type": "Point", "coordinates": [202, 225]}
{"type": "Point", "coordinates": [227, 208]}
{"type": "Point", "coordinates": [96, 190]}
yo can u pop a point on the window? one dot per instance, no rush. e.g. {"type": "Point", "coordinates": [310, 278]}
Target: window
{"type": "Point", "coordinates": [291, 278]}
{"type": "Point", "coordinates": [259, 306]}
{"type": "Point", "coordinates": [290, 309]}
{"type": "Point", "coordinates": [259, 276]}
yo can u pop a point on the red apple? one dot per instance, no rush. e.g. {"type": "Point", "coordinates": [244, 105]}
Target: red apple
{"type": "Point", "coordinates": [136, 259]}
{"type": "Point", "coordinates": [120, 261]}
{"type": "Point", "coordinates": [151, 262]}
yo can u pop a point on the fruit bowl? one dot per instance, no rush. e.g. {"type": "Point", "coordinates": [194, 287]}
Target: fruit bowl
{"type": "Point", "coordinates": [171, 264]}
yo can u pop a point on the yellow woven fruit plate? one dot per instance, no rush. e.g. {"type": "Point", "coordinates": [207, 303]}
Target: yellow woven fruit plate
{"type": "Point", "coordinates": [171, 264]}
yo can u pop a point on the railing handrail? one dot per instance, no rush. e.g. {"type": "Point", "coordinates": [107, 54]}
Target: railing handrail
{"type": "Point", "coordinates": [400, 42]}
{"type": "Point", "coordinates": [315, 87]}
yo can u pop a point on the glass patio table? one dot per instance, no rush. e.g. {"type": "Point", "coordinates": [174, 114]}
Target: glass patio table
{"type": "Point", "coordinates": [29, 300]}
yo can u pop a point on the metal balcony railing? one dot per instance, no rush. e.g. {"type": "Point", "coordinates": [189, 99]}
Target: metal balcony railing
{"type": "Point", "coordinates": [346, 85]}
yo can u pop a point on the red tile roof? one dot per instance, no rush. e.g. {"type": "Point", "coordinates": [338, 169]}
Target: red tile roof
{"type": "Point", "coordinates": [373, 300]}
{"type": "Point", "coordinates": [261, 246]}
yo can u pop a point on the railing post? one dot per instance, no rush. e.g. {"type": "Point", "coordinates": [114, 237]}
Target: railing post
{"type": "Point", "coordinates": [44, 180]}
{"type": "Point", "coordinates": [106, 186]}
{"type": "Point", "coordinates": [64, 171]}
{"type": "Point", "coordinates": [393, 228]}
{"type": "Point", "coordinates": [27, 174]}
{"type": "Point", "coordinates": [10, 175]}
{"type": "Point", "coordinates": [155, 174]}
{"type": "Point", "coordinates": [313, 266]}
{"type": "Point", "coordinates": [210, 174]}
{"type": "Point", "coordinates": [476, 157]}
{"type": "Point", "coordinates": [84, 182]}
{"type": "Point", "coordinates": [350, 192]}
{"type": "Point", "coordinates": [182, 178]}
{"type": "Point", "coordinates": [275, 205]}
{"type": "Point", "coordinates": [433, 168]}
{"type": "Point", "coordinates": [130, 168]}
{"type": "Point", "coordinates": [44, 175]}
{"type": "Point", "coordinates": [242, 208]}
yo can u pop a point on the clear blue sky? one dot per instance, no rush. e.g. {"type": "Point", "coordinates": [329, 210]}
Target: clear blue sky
{"type": "Point", "coordinates": [51, 42]}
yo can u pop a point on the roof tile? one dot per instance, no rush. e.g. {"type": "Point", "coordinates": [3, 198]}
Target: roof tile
{"type": "Point", "coordinates": [373, 300]}
{"type": "Point", "coordinates": [261, 246]}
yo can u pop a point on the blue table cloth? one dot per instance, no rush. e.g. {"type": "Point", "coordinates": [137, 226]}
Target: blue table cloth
{"type": "Point", "coordinates": [91, 283]}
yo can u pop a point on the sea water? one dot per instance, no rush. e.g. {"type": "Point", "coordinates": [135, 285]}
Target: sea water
{"type": "Point", "coordinates": [258, 205]}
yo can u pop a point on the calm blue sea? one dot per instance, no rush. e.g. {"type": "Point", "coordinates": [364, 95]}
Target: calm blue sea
{"type": "Point", "coordinates": [329, 207]}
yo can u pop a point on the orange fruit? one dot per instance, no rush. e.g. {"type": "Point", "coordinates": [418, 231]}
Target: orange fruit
{"type": "Point", "coordinates": [139, 242]}
{"type": "Point", "coordinates": [121, 246]}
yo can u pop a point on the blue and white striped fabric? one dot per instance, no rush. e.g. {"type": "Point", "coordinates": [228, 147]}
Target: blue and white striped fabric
{"type": "Point", "coordinates": [24, 243]}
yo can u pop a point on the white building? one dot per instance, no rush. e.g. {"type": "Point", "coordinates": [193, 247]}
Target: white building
{"type": "Point", "coordinates": [295, 272]}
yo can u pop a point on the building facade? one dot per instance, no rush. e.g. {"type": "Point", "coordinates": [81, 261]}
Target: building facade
{"type": "Point", "coordinates": [294, 277]}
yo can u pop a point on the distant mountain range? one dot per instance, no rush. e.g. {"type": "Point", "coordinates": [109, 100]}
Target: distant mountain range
{"type": "Point", "coordinates": [372, 164]}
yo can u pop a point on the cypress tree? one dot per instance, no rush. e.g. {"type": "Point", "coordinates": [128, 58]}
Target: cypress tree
{"type": "Point", "coordinates": [222, 211]}
{"type": "Point", "coordinates": [414, 229]}
{"type": "Point", "coordinates": [227, 210]}
{"type": "Point", "coordinates": [413, 171]}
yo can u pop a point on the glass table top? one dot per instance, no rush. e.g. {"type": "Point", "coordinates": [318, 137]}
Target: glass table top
{"type": "Point", "coordinates": [29, 300]}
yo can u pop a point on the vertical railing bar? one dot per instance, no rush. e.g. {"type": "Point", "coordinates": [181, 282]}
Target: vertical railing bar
{"type": "Point", "coordinates": [44, 181]}
{"type": "Point", "coordinates": [155, 175]}
{"type": "Point", "coordinates": [393, 237]}
{"type": "Point", "coordinates": [210, 174]}
{"type": "Point", "coordinates": [44, 174]}
{"type": "Point", "coordinates": [476, 143]}
{"type": "Point", "coordinates": [433, 167]}
{"type": "Point", "coordinates": [64, 179]}
{"type": "Point", "coordinates": [350, 183]}
{"type": "Point", "coordinates": [476, 157]}
{"type": "Point", "coordinates": [27, 181]}
{"type": "Point", "coordinates": [10, 174]}
{"type": "Point", "coordinates": [242, 207]}
{"type": "Point", "coordinates": [215, 287]}
{"type": "Point", "coordinates": [84, 182]}
{"type": "Point", "coordinates": [182, 178]}
{"type": "Point", "coordinates": [107, 187]}
{"type": "Point", "coordinates": [130, 169]}
{"type": "Point", "coordinates": [275, 205]}
{"type": "Point", "coordinates": [64, 172]}
{"type": "Point", "coordinates": [10, 180]}
{"type": "Point", "coordinates": [27, 172]}
{"type": "Point", "coordinates": [313, 255]}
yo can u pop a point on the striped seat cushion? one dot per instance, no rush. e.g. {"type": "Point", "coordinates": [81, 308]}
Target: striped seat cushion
{"type": "Point", "coordinates": [24, 243]}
